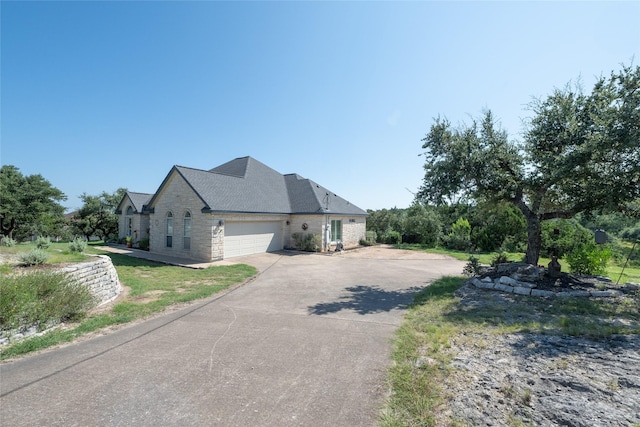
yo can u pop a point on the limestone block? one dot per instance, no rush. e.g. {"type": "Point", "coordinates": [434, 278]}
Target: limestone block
{"type": "Point", "coordinates": [510, 267]}
{"type": "Point", "coordinates": [481, 284]}
{"type": "Point", "coordinates": [504, 288]}
{"type": "Point", "coordinates": [506, 280]}
{"type": "Point", "coordinates": [521, 290]}
{"type": "Point", "coordinates": [541, 293]}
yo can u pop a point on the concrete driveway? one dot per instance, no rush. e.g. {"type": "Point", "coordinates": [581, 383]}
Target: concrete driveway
{"type": "Point", "coordinates": [306, 343]}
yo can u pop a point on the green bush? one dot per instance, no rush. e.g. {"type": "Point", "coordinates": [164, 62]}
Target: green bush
{"type": "Point", "coordinates": [7, 241]}
{"type": "Point", "coordinates": [372, 236]}
{"type": "Point", "coordinates": [589, 259]}
{"type": "Point", "coordinates": [391, 237]}
{"type": "Point", "coordinates": [43, 242]}
{"type": "Point", "coordinates": [500, 258]}
{"type": "Point", "coordinates": [77, 245]}
{"type": "Point", "coordinates": [422, 225]}
{"type": "Point", "coordinates": [473, 267]}
{"type": "Point", "coordinates": [631, 233]}
{"type": "Point", "coordinates": [33, 257]}
{"type": "Point", "coordinates": [40, 299]}
{"type": "Point", "coordinates": [144, 244]}
{"type": "Point", "coordinates": [561, 236]}
{"type": "Point", "coordinates": [460, 236]}
{"type": "Point", "coordinates": [307, 241]}
{"type": "Point", "coordinates": [364, 242]}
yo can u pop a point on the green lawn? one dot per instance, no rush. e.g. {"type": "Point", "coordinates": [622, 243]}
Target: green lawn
{"type": "Point", "coordinates": [153, 287]}
{"type": "Point", "coordinates": [58, 252]}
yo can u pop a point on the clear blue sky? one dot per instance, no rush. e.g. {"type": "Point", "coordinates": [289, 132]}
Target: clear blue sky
{"type": "Point", "coordinates": [101, 95]}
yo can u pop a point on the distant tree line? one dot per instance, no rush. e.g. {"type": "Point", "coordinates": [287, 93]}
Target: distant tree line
{"type": "Point", "coordinates": [492, 227]}
{"type": "Point", "coordinates": [30, 207]}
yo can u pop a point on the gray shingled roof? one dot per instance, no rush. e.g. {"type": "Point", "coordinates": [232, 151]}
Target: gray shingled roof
{"type": "Point", "coordinates": [138, 200]}
{"type": "Point", "coordinates": [249, 186]}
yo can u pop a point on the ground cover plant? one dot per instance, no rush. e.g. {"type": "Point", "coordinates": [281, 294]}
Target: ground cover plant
{"type": "Point", "coordinates": [40, 298]}
{"type": "Point", "coordinates": [152, 288]}
{"type": "Point", "coordinates": [423, 351]}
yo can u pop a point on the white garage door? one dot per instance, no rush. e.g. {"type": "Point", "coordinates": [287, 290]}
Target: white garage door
{"type": "Point", "coordinates": [245, 238]}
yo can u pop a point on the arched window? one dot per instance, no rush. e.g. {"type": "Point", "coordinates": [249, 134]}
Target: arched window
{"type": "Point", "coordinates": [169, 229]}
{"type": "Point", "coordinates": [187, 230]}
{"type": "Point", "coordinates": [128, 221]}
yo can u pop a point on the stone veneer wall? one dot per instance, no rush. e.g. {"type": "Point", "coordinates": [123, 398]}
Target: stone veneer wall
{"type": "Point", "coordinates": [99, 276]}
{"type": "Point", "coordinates": [354, 228]}
{"type": "Point", "coordinates": [178, 198]}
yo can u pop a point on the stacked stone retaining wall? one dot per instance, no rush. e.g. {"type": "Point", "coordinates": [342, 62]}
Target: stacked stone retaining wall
{"type": "Point", "coordinates": [99, 276]}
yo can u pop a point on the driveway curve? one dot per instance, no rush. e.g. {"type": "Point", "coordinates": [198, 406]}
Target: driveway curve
{"type": "Point", "coordinates": [306, 343]}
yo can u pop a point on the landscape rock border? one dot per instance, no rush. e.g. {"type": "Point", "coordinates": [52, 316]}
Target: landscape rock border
{"type": "Point", "coordinates": [525, 279]}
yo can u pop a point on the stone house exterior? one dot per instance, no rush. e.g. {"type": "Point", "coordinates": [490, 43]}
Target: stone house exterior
{"type": "Point", "coordinates": [238, 208]}
{"type": "Point", "coordinates": [133, 221]}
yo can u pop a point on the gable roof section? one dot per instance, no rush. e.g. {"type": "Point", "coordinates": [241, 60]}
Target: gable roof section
{"type": "Point", "coordinates": [138, 200]}
{"type": "Point", "coordinates": [246, 185]}
{"type": "Point", "coordinates": [309, 197]}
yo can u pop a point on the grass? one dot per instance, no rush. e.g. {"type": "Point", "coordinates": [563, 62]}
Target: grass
{"type": "Point", "coordinates": [438, 318]}
{"type": "Point", "coordinates": [58, 252]}
{"type": "Point", "coordinates": [153, 288]}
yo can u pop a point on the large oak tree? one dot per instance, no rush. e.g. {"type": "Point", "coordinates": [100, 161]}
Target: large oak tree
{"type": "Point", "coordinates": [580, 153]}
{"type": "Point", "coordinates": [29, 205]}
{"type": "Point", "coordinates": [96, 217]}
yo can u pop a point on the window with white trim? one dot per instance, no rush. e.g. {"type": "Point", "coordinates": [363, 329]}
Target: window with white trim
{"type": "Point", "coordinates": [187, 231]}
{"type": "Point", "coordinates": [336, 230]}
{"type": "Point", "coordinates": [129, 221]}
{"type": "Point", "coordinates": [169, 229]}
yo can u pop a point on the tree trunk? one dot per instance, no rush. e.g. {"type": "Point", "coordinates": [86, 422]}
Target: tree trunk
{"type": "Point", "coordinates": [534, 229]}
{"type": "Point", "coordinates": [534, 239]}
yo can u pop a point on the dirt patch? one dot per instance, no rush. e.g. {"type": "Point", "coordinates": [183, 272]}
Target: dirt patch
{"type": "Point", "coordinates": [388, 252]}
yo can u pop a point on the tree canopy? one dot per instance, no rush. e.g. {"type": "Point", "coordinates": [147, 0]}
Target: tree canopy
{"type": "Point", "coordinates": [96, 217]}
{"type": "Point", "coordinates": [580, 153]}
{"type": "Point", "coordinates": [28, 204]}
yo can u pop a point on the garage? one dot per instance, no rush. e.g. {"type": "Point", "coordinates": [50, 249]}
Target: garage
{"type": "Point", "coordinates": [246, 238]}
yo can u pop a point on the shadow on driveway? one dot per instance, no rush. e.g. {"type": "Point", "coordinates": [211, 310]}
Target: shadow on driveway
{"type": "Point", "coordinates": [367, 299]}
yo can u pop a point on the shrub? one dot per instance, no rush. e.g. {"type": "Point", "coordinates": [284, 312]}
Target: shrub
{"type": "Point", "coordinates": [33, 257]}
{"type": "Point", "coordinates": [364, 242]}
{"type": "Point", "coordinates": [7, 241]}
{"type": "Point", "coordinates": [500, 258]}
{"type": "Point", "coordinates": [77, 245]}
{"type": "Point", "coordinates": [631, 233]}
{"type": "Point", "coordinates": [473, 268]}
{"type": "Point", "coordinates": [391, 237]}
{"type": "Point", "coordinates": [460, 236]}
{"type": "Point", "coordinates": [422, 225]}
{"type": "Point", "coordinates": [589, 259]}
{"type": "Point", "coordinates": [144, 244]}
{"type": "Point", "coordinates": [43, 242]}
{"type": "Point", "coordinates": [307, 241]}
{"type": "Point", "coordinates": [40, 299]}
{"type": "Point", "coordinates": [372, 236]}
{"type": "Point", "coordinates": [561, 236]}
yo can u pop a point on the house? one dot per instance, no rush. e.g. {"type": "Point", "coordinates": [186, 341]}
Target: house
{"type": "Point", "coordinates": [239, 208]}
{"type": "Point", "coordinates": [133, 221]}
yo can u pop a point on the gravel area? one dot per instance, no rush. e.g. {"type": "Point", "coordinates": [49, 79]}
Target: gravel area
{"type": "Point", "coordinates": [542, 379]}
